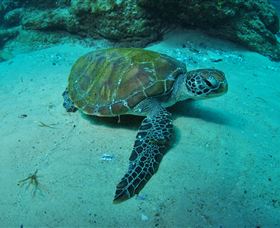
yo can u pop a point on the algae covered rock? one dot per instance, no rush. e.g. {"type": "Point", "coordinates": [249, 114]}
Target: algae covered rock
{"type": "Point", "coordinates": [35, 3]}
{"type": "Point", "coordinates": [58, 19]}
{"type": "Point", "coordinates": [116, 20]}
{"type": "Point", "coordinates": [7, 34]}
{"type": "Point", "coordinates": [13, 17]}
{"type": "Point", "coordinates": [252, 23]}
{"type": "Point", "coordinates": [122, 21]}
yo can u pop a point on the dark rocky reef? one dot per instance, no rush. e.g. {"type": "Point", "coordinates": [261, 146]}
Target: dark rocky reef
{"type": "Point", "coordinates": [120, 21]}
{"type": "Point", "coordinates": [7, 34]}
{"type": "Point", "coordinates": [253, 23]}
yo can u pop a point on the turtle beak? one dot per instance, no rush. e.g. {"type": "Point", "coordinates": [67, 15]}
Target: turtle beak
{"type": "Point", "coordinates": [223, 88]}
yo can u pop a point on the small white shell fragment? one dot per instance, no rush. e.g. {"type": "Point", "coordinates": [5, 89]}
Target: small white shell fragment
{"type": "Point", "coordinates": [107, 157]}
{"type": "Point", "coordinates": [144, 217]}
{"type": "Point", "coordinates": [141, 197]}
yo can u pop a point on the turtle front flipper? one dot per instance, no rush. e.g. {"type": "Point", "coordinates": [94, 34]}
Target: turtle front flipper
{"type": "Point", "coordinates": [151, 144]}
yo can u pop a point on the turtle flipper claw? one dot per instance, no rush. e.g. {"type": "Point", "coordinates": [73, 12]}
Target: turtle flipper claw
{"type": "Point", "coordinates": [151, 144]}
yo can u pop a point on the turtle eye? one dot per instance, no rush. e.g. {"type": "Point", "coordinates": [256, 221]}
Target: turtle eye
{"type": "Point", "coordinates": [211, 82]}
{"type": "Point", "coordinates": [208, 83]}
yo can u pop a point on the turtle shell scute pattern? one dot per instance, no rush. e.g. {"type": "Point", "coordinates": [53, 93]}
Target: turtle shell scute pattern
{"type": "Point", "coordinates": [113, 81]}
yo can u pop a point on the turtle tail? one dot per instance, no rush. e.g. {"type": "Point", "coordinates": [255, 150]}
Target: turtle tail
{"type": "Point", "coordinates": [151, 144]}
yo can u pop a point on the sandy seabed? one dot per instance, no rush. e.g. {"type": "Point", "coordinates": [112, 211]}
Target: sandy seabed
{"type": "Point", "coordinates": [222, 170]}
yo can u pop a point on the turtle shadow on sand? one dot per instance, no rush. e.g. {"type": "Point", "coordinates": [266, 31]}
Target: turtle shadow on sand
{"type": "Point", "coordinates": [124, 121]}
{"type": "Point", "coordinates": [190, 108]}
{"type": "Point", "coordinates": [186, 108]}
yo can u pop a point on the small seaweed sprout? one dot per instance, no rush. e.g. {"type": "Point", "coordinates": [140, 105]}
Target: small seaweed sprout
{"type": "Point", "coordinates": [32, 179]}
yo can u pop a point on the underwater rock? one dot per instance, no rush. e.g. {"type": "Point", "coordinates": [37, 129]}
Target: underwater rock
{"type": "Point", "coordinates": [7, 34]}
{"type": "Point", "coordinates": [252, 33]}
{"type": "Point", "coordinates": [58, 19]}
{"type": "Point", "coordinates": [121, 21]}
{"type": "Point", "coordinates": [255, 29]}
{"type": "Point", "coordinates": [8, 5]}
{"type": "Point", "coordinates": [252, 23]}
{"type": "Point", "coordinates": [41, 4]}
{"type": "Point", "coordinates": [13, 17]}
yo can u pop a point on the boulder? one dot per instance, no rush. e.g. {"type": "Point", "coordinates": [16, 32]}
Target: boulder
{"type": "Point", "coordinates": [7, 34]}
{"type": "Point", "coordinates": [252, 23]}
{"type": "Point", "coordinates": [52, 20]}
{"type": "Point", "coordinates": [13, 17]}
{"type": "Point", "coordinates": [120, 21]}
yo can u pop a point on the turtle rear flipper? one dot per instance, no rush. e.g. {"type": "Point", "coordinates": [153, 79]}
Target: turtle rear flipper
{"type": "Point", "coordinates": [151, 144]}
{"type": "Point", "coordinates": [68, 103]}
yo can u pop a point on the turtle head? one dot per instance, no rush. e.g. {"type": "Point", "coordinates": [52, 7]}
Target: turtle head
{"type": "Point", "coordinates": [205, 83]}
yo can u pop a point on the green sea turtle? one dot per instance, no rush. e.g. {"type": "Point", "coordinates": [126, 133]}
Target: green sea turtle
{"type": "Point", "coordinates": [118, 81]}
